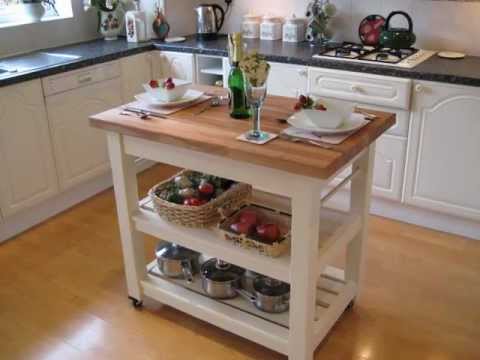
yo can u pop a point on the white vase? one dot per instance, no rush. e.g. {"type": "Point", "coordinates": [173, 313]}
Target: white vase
{"type": "Point", "coordinates": [111, 23]}
{"type": "Point", "coordinates": [34, 11]}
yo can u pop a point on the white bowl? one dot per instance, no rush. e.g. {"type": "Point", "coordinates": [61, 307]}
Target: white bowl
{"type": "Point", "coordinates": [313, 120]}
{"type": "Point", "coordinates": [168, 95]}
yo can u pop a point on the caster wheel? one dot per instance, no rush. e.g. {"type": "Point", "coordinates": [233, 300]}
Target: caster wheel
{"type": "Point", "coordinates": [137, 304]}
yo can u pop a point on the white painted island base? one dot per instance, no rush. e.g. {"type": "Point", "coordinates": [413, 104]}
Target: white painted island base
{"type": "Point", "coordinates": [319, 292]}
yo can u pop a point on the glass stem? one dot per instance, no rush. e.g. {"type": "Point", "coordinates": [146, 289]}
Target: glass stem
{"type": "Point", "coordinates": [256, 120]}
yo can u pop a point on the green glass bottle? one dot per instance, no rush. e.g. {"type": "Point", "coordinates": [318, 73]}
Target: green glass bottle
{"type": "Point", "coordinates": [236, 83]}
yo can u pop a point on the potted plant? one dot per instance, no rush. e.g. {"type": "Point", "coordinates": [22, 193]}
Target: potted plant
{"type": "Point", "coordinates": [35, 9]}
{"type": "Point", "coordinates": [110, 16]}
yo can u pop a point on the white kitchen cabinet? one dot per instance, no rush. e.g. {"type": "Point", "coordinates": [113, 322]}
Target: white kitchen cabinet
{"type": "Point", "coordinates": [287, 80]}
{"type": "Point", "coordinates": [174, 64]}
{"type": "Point", "coordinates": [80, 150]}
{"type": "Point", "coordinates": [443, 172]}
{"type": "Point", "coordinates": [136, 70]}
{"type": "Point", "coordinates": [27, 175]}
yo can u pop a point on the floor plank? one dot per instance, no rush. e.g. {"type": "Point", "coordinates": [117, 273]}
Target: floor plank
{"type": "Point", "coordinates": [62, 296]}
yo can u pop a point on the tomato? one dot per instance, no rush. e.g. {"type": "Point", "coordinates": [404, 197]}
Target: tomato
{"type": "Point", "coordinates": [206, 189]}
{"type": "Point", "coordinates": [193, 202]}
{"type": "Point", "coordinates": [153, 84]}
{"type": "Point", "coordinates": [249, 217]}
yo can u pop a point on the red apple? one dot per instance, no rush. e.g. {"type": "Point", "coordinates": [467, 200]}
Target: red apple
{"type": "Point", "coordinates": [192, 202]}
{"type": "Point", "coordinates": [153, 84]}
{"type": "Point", "coordinates": [269, 232]}
{"type": "Point", "coordinates": [249, 217]}
{"type": "Point", "coordinates": [242, 228]}
{"type": "Point", "coordinates": [206, 189]}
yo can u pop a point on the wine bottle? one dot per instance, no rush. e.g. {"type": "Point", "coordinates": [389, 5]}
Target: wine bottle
{"type": "Point", "coordinates": [236, 82]}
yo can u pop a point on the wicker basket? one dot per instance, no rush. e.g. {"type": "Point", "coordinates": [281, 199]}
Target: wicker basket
{"type": "Point", "coordinates": [275, 249]}
{"type": "Point", "coordinates": [203, 216]}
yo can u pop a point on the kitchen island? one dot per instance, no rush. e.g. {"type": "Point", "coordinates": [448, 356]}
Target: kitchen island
{"type": "Point", "coordinates": [288, 176]}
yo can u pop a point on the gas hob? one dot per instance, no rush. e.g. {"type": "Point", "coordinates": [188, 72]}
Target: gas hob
{"type": "Point", "coordinates": [404, 58]}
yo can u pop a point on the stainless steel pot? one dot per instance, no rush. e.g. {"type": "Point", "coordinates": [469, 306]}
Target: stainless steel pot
{"type": "Point", "coordinates": [269, 295]}
{"type": "Point", "coordinates": [247, 280]}
{"type": "Point", "coordinates": [177, 262]}
{"type": "Point", "coordinates": [221, 280]}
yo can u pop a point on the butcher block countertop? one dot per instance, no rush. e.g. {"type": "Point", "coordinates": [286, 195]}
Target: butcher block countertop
{"type": "Point", "coordinates": [214, 132]}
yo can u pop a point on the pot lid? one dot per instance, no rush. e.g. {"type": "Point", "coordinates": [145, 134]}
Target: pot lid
{"type": "Point", "coordinates": [270, 287]}
{"type": "Point", "coordinates": [171, 251]}
{"type": "Point", "coordinates": [221, 271]}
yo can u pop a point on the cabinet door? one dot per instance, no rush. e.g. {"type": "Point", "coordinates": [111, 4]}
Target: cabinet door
{"type": "Point", "coordinates": [287, 80]}
{"type": "Point", "coordinates": [27, 175]}
{"type": "Point", "coordinates": [443, 171]}
{"type": "Point", "coordinates": [136, 70]}
{"type": "Point", "coordinates": [390, 153]}
{"type": "Point", "coordinates": [173, 64]}
{"type": "Point", "coordinates": [80, 150]}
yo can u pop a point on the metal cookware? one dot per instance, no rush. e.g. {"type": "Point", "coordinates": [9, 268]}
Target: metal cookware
{"type": "Point", "coordinates": [397, 38]}
{"type": "Point", "coordinates": [177, 262]}
{"type": "Point", "coordinates": [269, 295]}
{"type": "Point", "coordinates": [248, 279]}
{"type": "Point", "coordinates": [210, 18]}
{"type": "Point", "coordinates": [220, 280]}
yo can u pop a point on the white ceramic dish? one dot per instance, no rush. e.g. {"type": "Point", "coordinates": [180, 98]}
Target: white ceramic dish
{"type": "Point", "coordinates": [312, 120]}
{"type": "Point", "coordinates": [168, 95]}
{"type": "Point", "coordinates": [349, 124]}
{"type": "Point", "coordinates": [189, 97]}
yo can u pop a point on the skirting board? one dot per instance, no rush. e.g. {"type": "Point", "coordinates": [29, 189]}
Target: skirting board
{"type": "Point", "coordinates": [413, 215]}
{"type": "Point", "coordinates": [24, 220]}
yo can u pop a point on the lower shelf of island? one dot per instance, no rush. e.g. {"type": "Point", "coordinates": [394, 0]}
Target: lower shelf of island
{"type": "Point", "coordinates": [337, 229]}
{"type": "Point", "coordinates": [241, 317]}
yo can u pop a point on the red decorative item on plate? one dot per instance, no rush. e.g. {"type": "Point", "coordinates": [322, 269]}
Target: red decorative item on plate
{"type": "Point", "coordinates": [370, 29]}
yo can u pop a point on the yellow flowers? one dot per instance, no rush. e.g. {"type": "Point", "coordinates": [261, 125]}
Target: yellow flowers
{"type": "Point", "coordinates": [255, 68]}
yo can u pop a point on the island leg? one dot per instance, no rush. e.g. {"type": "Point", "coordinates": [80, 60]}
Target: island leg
{"type": "Point", "coordinates": [303, 274]}
{"type": "Point", "coordinates": [361, 191]}
{"type": "Point", "coordinates": [126, 196]}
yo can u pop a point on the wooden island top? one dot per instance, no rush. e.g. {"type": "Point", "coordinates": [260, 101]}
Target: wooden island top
{"type": "Point", "coordinates": [214, 132]}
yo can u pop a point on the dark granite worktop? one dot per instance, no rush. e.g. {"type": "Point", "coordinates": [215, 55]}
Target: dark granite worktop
{"type": "Point", "coordinates": [464, 72]}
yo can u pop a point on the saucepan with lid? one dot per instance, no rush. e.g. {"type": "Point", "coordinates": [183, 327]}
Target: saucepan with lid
{"type": "Point", "coordinates": [269, 295]}
{"type": "Point", "coordinates": [177, 262]}
{"type": "Point", "coordinates": [220, 280]}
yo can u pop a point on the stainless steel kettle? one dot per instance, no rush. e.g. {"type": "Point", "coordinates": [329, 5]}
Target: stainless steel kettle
{"type": "Point", "coordinates": [210, 18]}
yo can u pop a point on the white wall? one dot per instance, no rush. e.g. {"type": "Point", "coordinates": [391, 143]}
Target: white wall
{"type": "Point", "coordinates": [31, 37]}
{"type": "Point", "coordinates": [438, 24]}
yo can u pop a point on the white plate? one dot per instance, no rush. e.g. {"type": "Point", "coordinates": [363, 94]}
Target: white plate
{"type": "Point", "coordinates": [313, 120]}
{"type": "Point", "coordinates": [451, 55]}
{"type": "Point", "coordinates": [189, 97]}
{"type": "Point", "coordinates": [350, 124]}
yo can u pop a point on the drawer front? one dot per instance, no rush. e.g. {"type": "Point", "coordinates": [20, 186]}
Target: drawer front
{"type": "Point", "coordinates": [287, 80]}
{"type": "Point", "coordinates": [365, 89]}
{"type": "Point", "coordinates": [78, 78]}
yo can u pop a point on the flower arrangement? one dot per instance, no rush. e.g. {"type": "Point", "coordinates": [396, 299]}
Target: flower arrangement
{"type": "Point", "coordinates": [319, 13]}
{"type": "Point", "coordinates": [255, 68]}
{"type": "Point", "coordinates": [103, 5]}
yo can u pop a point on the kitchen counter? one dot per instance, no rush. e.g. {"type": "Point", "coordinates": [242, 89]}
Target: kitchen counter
{"type": "Point", "coordinates": [462, 72]}
{"type": "Point", "coordinates": [82, 54]}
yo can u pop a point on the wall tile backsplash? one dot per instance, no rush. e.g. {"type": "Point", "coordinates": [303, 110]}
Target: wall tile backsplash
{"type": "Point", "coordinates": [447, 24]}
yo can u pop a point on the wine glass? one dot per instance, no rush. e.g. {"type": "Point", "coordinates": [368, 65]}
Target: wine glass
{"type": "Point", "coordinates": [256, 95]}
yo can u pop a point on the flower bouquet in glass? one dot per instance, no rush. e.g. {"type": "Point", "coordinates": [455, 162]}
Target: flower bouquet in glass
{"type": "Point", "coordinates": [256, 69]}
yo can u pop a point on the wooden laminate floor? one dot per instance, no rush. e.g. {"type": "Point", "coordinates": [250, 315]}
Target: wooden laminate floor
{"type": "Point", "coordinates": [62, 296]}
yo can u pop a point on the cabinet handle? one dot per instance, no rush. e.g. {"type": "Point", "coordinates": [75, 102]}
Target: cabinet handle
{"type": "Point", "coordinates": [355, 88]}
{"type": "Point", "coordinates": [302, 72]}
{"type": "Point", "coordinates": [83, 79]}
{"type": "Point", "coordinates": [419, 88]}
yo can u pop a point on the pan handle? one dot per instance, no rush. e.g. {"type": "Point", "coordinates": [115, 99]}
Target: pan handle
{"type": "Point", "coordinates": [187, 271]}
{"type": "Point", "coordinates": [245, 294]}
